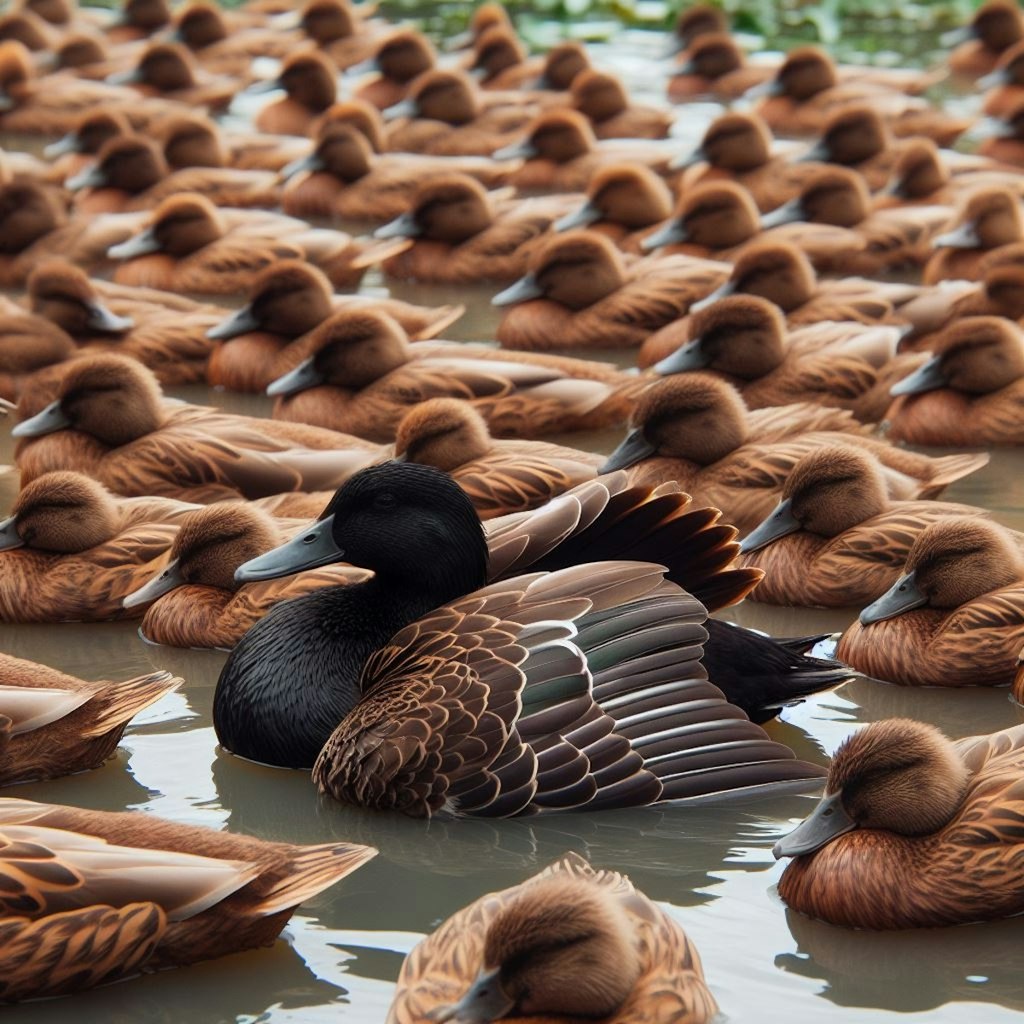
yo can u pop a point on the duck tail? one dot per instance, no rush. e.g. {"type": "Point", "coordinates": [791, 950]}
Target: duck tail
{"type": "Point", "coordinates": [313, 869]}
{"type": "Point", "coordinates": [114, 706]}
{"type": "Point", "coordinates": [949, 468]}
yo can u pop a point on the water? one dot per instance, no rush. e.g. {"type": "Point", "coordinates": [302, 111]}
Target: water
{"type": "Point", "coordinates": [711, 867]}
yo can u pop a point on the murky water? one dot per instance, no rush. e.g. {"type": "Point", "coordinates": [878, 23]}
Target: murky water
{"type": "Point", "coordinates": [711, 866]}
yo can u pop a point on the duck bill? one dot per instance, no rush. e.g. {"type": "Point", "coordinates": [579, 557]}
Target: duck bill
{"type": "Point", "coordinates": [581, 217]}
{"type": "Point", "coordinates": [773, 87]}
{"type": "Point", "coordinates": [903, 596]}
{"type": "Point", "coordinates": [9, 538]}
{"type": "Point", "coordinates": [485, 1001]}
{"type": "Point", "coordinates": [70, 143]}
{"type": "Point", "coordinates": [788, 213]}
{"type": "Point", "coordinates": [680, 163]}
{"type": "Point", "coordinates": [311, 549]}
{"type": "Point", "coordinates": [260, 88]}
{"type": "Point", "coordinates": [133, 77]}
{"type": "Point", "coordinates": [242, 321]}
{"type": "Point", "coordinates": [963, 237]}
{"type": "Point", "coordinates": [364, 67]}
{"type": "Point", "coordinates": [311, 163]}
{"type": "Point", "coordinates": [523, 290]}
{"type": "Point", "coordinates": [672, 233]}
{"type": "Point", "coordinates": [524, 149]}
{"type": "Point", "coordinates": [819, 153]}
{"type": "Point", "coordinates": [633, 449]}
{"type": "Point", "coordinates": [88, 177]}
{"type": "Point", "coordinates": [690, 356]}
{"type": "Point", "coordinates": [49, 421]}
{"type": "Point", "coordinates": [159, 585]}
{"type": "Point", "coordinates": [302, 378]}
{"type": "Point", "coordinates": [989, 128]}
{"type": "Point", "coordinates": [826, 822]}
{"type": "Point", "coordinates": [403, 226]}
{"type": "Point", "coordinates": [479, 74]}
{"type": "Point", "coordinates": [403, 108]}
{"type": "Point", "coordinates": [106, 321]}
{"type": "Point", "coordinates": [993, 79]}
{"type": "Point", "coordinates": [722, 292]}
{"type": "Point", "coordinates": [7, 101]}
{"type": "Point", "coordinates": [925, 378]}
{"type": "Point", "coordinates": [688, 67]}
{"type": "Point", "coordinates": [780, 523]}
{"type": "Point", "coordinates": [957, 36]}
{"type": "Point", "coordinates": [141, 244]}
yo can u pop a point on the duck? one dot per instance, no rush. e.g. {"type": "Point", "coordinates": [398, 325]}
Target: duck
{"type": "Point", "coordinates": [140, 893]}
{"type": "Point", "coordinates": [344, 177]}
{"type": "Point", "coordinates": [696, 430]}
{"type": "Point", "coordinates": [190, 246]}
{"type": "Point", "coordinates": [955, 617]}
{"type": "Point", "coordinates": [996, 26]}
{"type": "Point", "coordinates": [358, 372]}
{"type": "Point", "coordinates": [440, 572]}
{"type": "Point", "coordinates": [1005, 84]}
{"type": "Point", "coordinates": [287, 300]}
{"type": "Point", "coordinates": [908, 810]}
{"type": "Point", "coordinates": [488, 15]}
{"type": "Point", "coordinates": [109, 420]}
{"type": "Point", "coordinates": [714, 65]}
{"type": "Point", "coordinates": [87, 55]}
{"type": "Point", "coordinates": [836, 538]}
{"type": "Point", "coordinates": [892, 238]}
{"type": "Point", "coordinates": [221, 44]}
{"type": "Point", "coordinates": [56, 724]}
{"type": "Point", "coordinates": [695, 21]}
{"type": "Point", "coordinates": [1002, 139]}
{"type": "Point", "coordinates": [28, 344]}
{"type": "Point", "coordinates": [743, 339]}
{"type": "Point", "coordinates": [400, 59]}
{"type": "Point", "coordinates": [309, 80]}
{"type": "Point", "coordinates": [139, 19]}
{"type": "Point", "coordinates": [34, 33]}
{"type": "Point", "coordinates": [340, 30]}
{"type": "Point", "coordinates": [74, 151]}
{"type": "Point", "coordinates": [969, 392]}
{"type": "Point", "coordinates": [580, 293]}
{"type": "Point", "coordinates": [168, 71]}
{"type": "Point", "coordinates": [570, 942]}
{"type": "Point", "coordinates": [458, 232]}
{"type": "Point", "coordinates": [990, 218]}
{"type": "Point", "coordinates": [445, 113]}
{"type": "Point", "coordinates": [623, 201]}
{"type": "Point", "coordinates": [717, 219]}
{"type": "Point", "coordinates": [561, 153]}
{"type": "Point", "coordinates": [499, 60]}
{"type": "Point", "coordinates": [857, 137]}
{"type": "Point", "coordinates": [554, 71]}
{"type": "Point", "coordinates": [603, 100]}
{"type": "Point", "coordinates": [194, 601]}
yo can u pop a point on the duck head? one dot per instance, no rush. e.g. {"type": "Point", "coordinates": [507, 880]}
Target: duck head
{"type": "Point", "coordinates": [16, 71]}
{"type": "Point", "coordinates": [450, 208]}
{"type": "Point", "coordinates": [358, 114]}
{"type": "Point", "coordinates": [181, 225]}
{"type": "Point", "coordinates": [717, 215]}
{"type": "Point", "coordinates": [164, 67]}
{"type": "Point", "coordinates": [898, 775]}
{"type": "Point", "coordinates": [598, 95]}
{"type": "Point", "coordinates": [447, 96]}
{"type": "Point", "coordinates": [836, 196]}
{"type": "Point", "coordinates": [991, 217]}
{"type": "Point", "coordinates": [852, 136]}
{"type": "Point", "coordinates": [401, 58]}
{"type": "Point", "coordinates": [806, 71]}
{"type": "Point", "coordinates": [193, 140]}
{"type": "Point", "coordinates": [342, 151]}
{"type": "Point", "coordinates": [289, 298]}
{"type": "Point", "coordinates": [28, 211]}
{"type": "Point", "coordinates": [951, 562]}
{"type": "Point", "coordinates": [91, 134]}
{"type": "Point", "coordinates": [1004, 284]}
{"type": "Point", "coordinates": [976, 355]}
{"type": "Point", "coordinates": [776, 271]}
{"type": "Point", "coordinates": [80, 51]}
{"type": "Point", "coordinates": [351, 349]}
{"type": "Point", "coordinates": [558, 135]}
{"type": "Point", "coordinates": [562, 64]}
{"type": "Point", "coordinates": [1009, 70]}
{"type": "Point", "coordinates": [128, 163]}
{"type": "Point", "coordinates": [112, 398]}
{"type": "Point", "coordinates": [576, 270]}
{"type": "Point", "coordinates": [63, 294]}
{"type": "Point", "coordinates": [558, 949]}
{"type": "Point", "coordinates": [411, 525]}
{"type": "Point", "coordinates": [630, 195]}
{"type": "Point", "coordinates": [829, 491]}
{"type": "Point", "coordinates": [712, 56]}
{"type": "Point", "coordinates": [698, 20]}
{"type": "Point", "coordinates": [738, 143]}
{"type": "Point", "coordinates": [997, 25]}
{"type": "Point", "coordinates": [200, 24]}
{"type": "Point", "coordinates": [690, 416]}
{"type": "Point", "coordinates": [497, 50]}
{"type": "Point", "coordinates": [327, 21]}
{"type": "Point", "coordinates": [56, 12]}
{"type": "Point", "coordinates": [741, 335]}
{"type": "Point", "coordinates": [309, 78]}
{"type": "Point", "coordinates": [61, 513]}
{"type": "Point", "coordinates": [919, 171]}
{"type": "Point", "coordinates": [145, 15]}
{"type": "Point", "coordinates": [26, 29]}
{"type": "Point", "coordinates": [210, 545]}
{"type": "Point", "coordinates": [442, 432]}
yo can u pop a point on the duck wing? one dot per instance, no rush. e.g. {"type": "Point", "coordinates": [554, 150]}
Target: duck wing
{"type": "Point", "coordinates": [779, 422]}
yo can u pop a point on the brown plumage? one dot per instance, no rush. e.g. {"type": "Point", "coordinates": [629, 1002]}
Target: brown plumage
{"type": "Point", "coordinates": [967, 627]}
{"type": "Point", "coordinates": [714, 65]}
{"type": "Point", "coordinates": [79, 919]}
{"type": "Point", "coordinates": [603, 100]}
{"type": "Point", "coordinates": [995, 27]}
{"type": "Point", "coordinates": [399, 59]}
{"type": "Point", "coordinates": [308, 79]}
{"type": "Point", "coordinates": [839, 540]}
{"type": "Point", "coordinates": [52, 724]}
{"type": "Point", "coordinates": [935, 834]}
{"type": "Point", "coordinates": [571, 942]}
{"type": "Point", "coordinates": [169, 71]}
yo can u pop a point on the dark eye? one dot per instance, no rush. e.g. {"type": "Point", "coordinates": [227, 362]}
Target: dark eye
{"type": "Point", "coordinates": [384, 500]}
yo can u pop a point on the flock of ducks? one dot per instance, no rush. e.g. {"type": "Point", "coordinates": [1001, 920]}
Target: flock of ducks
{"type": "Point", "coordinates": [430, 605]}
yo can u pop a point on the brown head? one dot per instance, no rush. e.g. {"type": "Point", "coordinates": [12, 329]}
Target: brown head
{"type": "Point", "coordinates": [358, 114]}
{"type": "Point", "coordinates": [200, 24]}
{"type": "Point", "coordinates": [712, 56]}
{"type": "Point", "coordinates": [444, 433]}
{"type": "Point", "coordinates": [718, 215]}
{"type": "Point", "coordinates": [919, 170]}
{"type": "Point", "coordinates": [806, 71]}
{"type": "Point", "coordinates": [448, 96]}
{"type": "Point", "coordinates": [56, 12]}
{"type": "Point", "coordinates": [450, 208]}
{"type": "Point", "coordinates": [776, 271]}
{"type": "Point", "coordinates": [1004, 284]}
{"type": "Point", "coordinates": [737, 143]}
{"type": "Point", "coordinates": [112, 398]}
{"type": "Point", "coordinates": [852, 136]}
{"type": "Point", "coordinates": [327, 21]}
{"type": "Point", "coordinates": [598, 95]}
{"type": "Point", "coordinates": [998, 24]}
{"type": "Point", "coordinates": [897, 775]}
{"type": "Point", "coordinates": [146, 15]}
{"type": "Point", "coordinates": [184, 223]}
{"type": "Point", "coordinates": [16, 70]}
{"type": "Point", "coordinates": [991, 217]}
{"type": "Point", "coordinates": [699, 20]}
{"type": "Point", "coordinates": [290, 298]}
{"type": "Point", "coordinates": [405, 55]}
{"type": "Point", "coordinates": [341, 151]}
{"type": "Point", "coordinates": [62, 513]}
{"type": "Point", "coordinates": [563, 63]}
{"type": "Point", "coordinates": [129, 163]}
{"type": "Point", "coordinates": [976, 355]}
{"type": "Point", "coordinates": [559, 136]}
{"type": "Point", "coordinates": [310, 79]}
{"type": "Point", "coordinates": [97, 128]}
{"type": "Point", "coordinates": [79, 51]}
{"type": "Point", "coordinates": [577, 269]}
{"type": "Point", "coordinates": [193, 140]}
{"type": "Point", "coordinates": [1010, 69]}
{"type": "Point", "coordinates": [836, 196]}
{"type": "Point", "coordinates": [26, 29]}
{"type": "Point", "coordinates": [165, 67]}
{"type": "Point", "coordinates": [63, 294]}
{"type": "Point", "coordinates": [487, 16]}
{"type": "Point", "coordinates": [28, 211]}
{"type": "Point", "coordinates": [630, 195]}
{"type": "Point", "coordinates": [497, 50]}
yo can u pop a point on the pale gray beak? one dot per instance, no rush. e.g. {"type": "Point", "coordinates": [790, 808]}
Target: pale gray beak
{"type": "Point", "coordinates": [826, 822]}
{"type": "Point", "coordinates": [690, 356]}
{"type": "Point", "coordinates": [989, 128]}
{"type": "Point", "coordinates": [965, 236]}
{"type": "Point", "coordinates": [403, 226]}
{"type": "Point", "coordinates": [9, 538]}
{"type": "Point", "coordinates": [403, 108]}
{"type": "Point", "coordinates": [788, 213]}
{"type": "Point", "coordinates": [309, 550]}
{"type": "Point", "coordinates": [103, 320]}
{"type": "Point", "coordinates": [242, 321]}
{"type": "Point", "coordinates": [773, 87]}
{"type": "Point", "coordinates": [780, 523]}
{"type": "Point", "coordinates": [302, 378]}
{"type": "Point", "coordinates": [524, 149]}
{"type": "Point", "coordinates": [267, 85]}
{"type": "Point", "coordinates": [633, 449]}
{"type": "Point", "coordinates": [161, 584]}
{"type": "Point", "coordinates": [680, 163]}
{"type": "Point", "coordinates": [7, 102]}
{"type": "Point", "coordinates": [311, 163]}
{"type": "Point", "coordinates": [672, 232]}
{"type": "Point", "coordinates": [485, 1001]}
{"type": "Point", "coordinates": [993, 79]}
{"type": "Point", "coordinates": [957, 36]}
{"type": "Point", "coordinates": [478, 74]}
{"type": "Point", "coordinates": [819, 153]}
{"type": "Point", "coordinates": [70, 143]}
{"type": "Point", "coordinates": [49, 421]}
{"type": "Point", "coordinates": [588, 213]}
{"type": "Point", "coordinates": [141, 244]}
{"type": "Point", "coordinates": [364, 67]}
{"type": "Point", "coordinates": [928, 377]}
{"type": "Point", "coordinates": [89, 177]}
{"type": "Point", "coordinates": [133, 77]}
{"type": "Point", "coordinates": [722, 292]}
{"type": "Point", "coordinates": [523, 290]}
{"type": "Point", "coordinates": [902, 596]}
